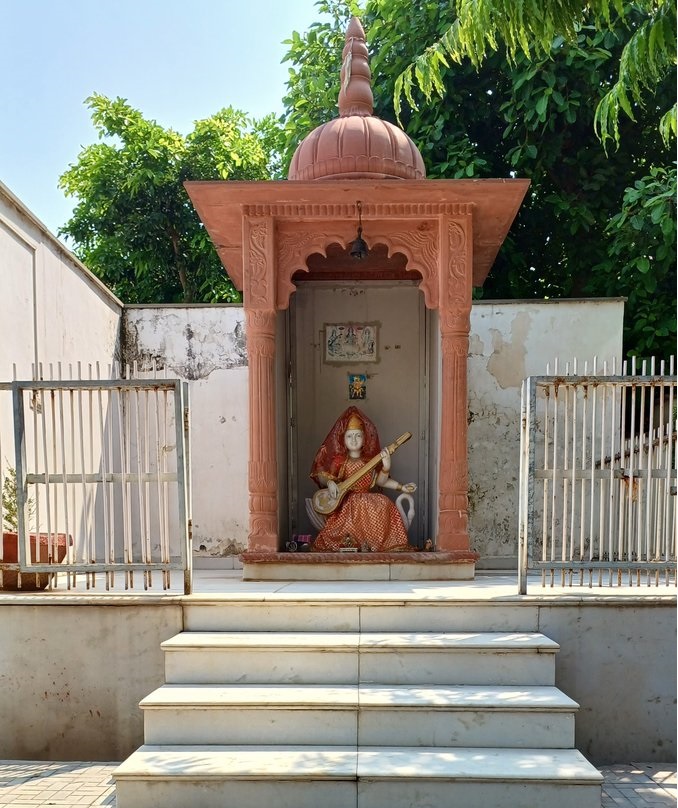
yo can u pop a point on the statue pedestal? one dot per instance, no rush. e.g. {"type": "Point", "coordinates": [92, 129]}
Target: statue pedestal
{"type": "Point", "coordinates": [437, 566]}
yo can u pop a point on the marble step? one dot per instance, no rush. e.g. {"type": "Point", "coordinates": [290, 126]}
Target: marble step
{"type": "Point", "coordinates": [417, 658]}
{"type": "Point", "coordinates": [346, 777]}
{"type": "Point", "coordinates": [376, 611]}
{"type": "Point", "coordinates": [374, 715]}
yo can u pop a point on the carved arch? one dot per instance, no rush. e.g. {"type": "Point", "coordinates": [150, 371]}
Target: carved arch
{"type": "Point", "coordinates": [294, 249]}
{"type": "Point", "coordinates": [420, 246]}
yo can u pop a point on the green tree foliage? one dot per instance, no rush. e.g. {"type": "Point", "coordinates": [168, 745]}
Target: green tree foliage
{"type": "Point", "coordinates": [531, 27]}
{"type": "Point", "coordinates": [134, 225]}
{"type": "Point", "coordinates": [641, 261]}
{"type": "Point", "coordinates": [519, 115]}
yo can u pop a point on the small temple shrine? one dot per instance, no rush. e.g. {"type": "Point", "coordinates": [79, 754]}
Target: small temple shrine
{"type": "Point", "coordinates": [357, 276]}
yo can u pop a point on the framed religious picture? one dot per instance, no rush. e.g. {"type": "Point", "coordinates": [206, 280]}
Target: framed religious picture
{"type": "Point", "coordinates": [357, 386]}
{"type": "Point", "coordinates": [351, 342]}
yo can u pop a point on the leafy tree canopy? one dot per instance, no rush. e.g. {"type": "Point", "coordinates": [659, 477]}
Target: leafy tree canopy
{"type": "Point", "coordinates": [535, 27]}
{"type": "Point", "coordinates": [134, 225]}
{"type": "Point", "coordinates": [594, 223]}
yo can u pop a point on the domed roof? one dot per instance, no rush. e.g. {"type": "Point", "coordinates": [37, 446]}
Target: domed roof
{"type": "Point", "coordinates": [356, 145]}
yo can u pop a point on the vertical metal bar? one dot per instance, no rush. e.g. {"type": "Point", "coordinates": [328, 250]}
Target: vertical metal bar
{"type": "Point", "coordinates": [642, 488]}
{"type": "Point", "coordinates": [123, 487]}
{"type": "Point", "coordinates": [147, 467]}
{"type": "Point", "coordinates": [522, 494]}
{"type": "Point", "coordinates": [650, 490]}
{"type": "Point", "coordinates": [23, 539]}
{"type": "Point", "coordinates": [582, 500]}
{"type": "Point", "coordinates": [180, 438]}
{"type": "Point", "coordinates": [632, 544]}
{"type": "Point", "coordinates": [128, 468]}
{"type": "Point", "coordinates": [573, 465]}
{"type": "Point", "coordinates": [545, 486]}
{"type": "Point", "coordinates": [134, 396]}
{"type": "Point", "coordinates": [16, 473]}
{"type": "Point", "coordinates": [74, 507]}
{"type": "Point", "coordinates": [161, 515]}
{"type": "Point", "coordinates": [601, 482]}
{"type": "Point", "coordinates": [45, 451]}
{"type": "Point", "coordinates": [611, 483]}
{"type": "Point", "coordinates": [110, 403]}
{"type": "Point", "coordinates": [554, 470]}
{"type": "Point", "coordinates": [565, 483]}
{"type": "Point", "coordinates": [104, 484]}
{"type": "Point", "coordinates": [592, 490]}
{"type": "Point", "coordinates": [614, 488]}
{"type": "Point", "coordinates": [670, 550]}
{"type": "Point", "coordinates": [623, 541]}
{"type": "Point", "coordinates": [61, 439]}
{"type": "Point", "coordinates": [662, 484]}
{"type": "Point", "coordinates": [623, 488]}
{"type": "Point", "coordinates": [36, 449]}
{"type": "Point", "coordinates": [91, 532]}
{"type": "Point", "coordinates": [55, 465]}
{"type": "Point", "coordinates": [164, 458]}
{"type": "Point", "coordinates": [531, 466]}
{"type": "Point", "coordinates": [83, 477]}
{"type": "Point", "coordinates": [188, 576]}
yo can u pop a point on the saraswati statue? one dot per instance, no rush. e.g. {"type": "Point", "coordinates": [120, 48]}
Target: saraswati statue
{"type": "Point", "coordinates": [347, 467]}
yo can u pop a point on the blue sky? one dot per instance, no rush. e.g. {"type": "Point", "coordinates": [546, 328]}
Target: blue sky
{"type": "Point", "coordinates": [176, 61]}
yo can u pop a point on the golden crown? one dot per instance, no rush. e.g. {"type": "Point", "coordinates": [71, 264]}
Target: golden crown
{"type": "Point", "coordinates": [354, 422]}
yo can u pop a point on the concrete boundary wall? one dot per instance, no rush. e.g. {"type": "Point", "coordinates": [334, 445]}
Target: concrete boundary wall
{"type": "Point", "coordinates": [68, 694]}
{"type": "Point", "coordinates": [509, 341]}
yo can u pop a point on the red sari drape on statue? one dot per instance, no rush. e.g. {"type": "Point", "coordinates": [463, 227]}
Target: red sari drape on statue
{"type": "Point", "coordinates": [365, 519]}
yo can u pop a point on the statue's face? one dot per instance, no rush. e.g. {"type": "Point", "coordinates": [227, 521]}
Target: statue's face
{"type": "Point", "coordinates": [354, 439]}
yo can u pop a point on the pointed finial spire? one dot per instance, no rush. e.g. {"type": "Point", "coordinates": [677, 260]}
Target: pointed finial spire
{"type": "Point", "coordinates": [355, 95]}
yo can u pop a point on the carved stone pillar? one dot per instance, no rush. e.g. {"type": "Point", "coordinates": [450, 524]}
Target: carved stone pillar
{"type": "Point", "coordinates": [455, 312]}
{"type": "Point", "coordinates": [260, 311]}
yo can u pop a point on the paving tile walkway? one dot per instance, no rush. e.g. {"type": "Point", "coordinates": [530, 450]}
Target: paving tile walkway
{"type": "Point", "coordinates": [639, 785]}
{"type": "Point", "coordinates": [38, 784]}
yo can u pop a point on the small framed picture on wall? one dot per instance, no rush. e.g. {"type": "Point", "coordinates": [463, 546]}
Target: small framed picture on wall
{"type": "Point", "coordinates": [351, 342]}
{"type": "Point", "coordinates": [357, 386]}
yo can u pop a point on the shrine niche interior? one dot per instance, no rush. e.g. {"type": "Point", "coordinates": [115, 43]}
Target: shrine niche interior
{"type": "Point", "coordinates": [287, 246]}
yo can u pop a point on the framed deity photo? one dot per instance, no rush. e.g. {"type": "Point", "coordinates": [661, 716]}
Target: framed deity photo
{"type": "Point", "coordinates": [357, 386]}
{"type": "Point", "coordinates": [351, 342]}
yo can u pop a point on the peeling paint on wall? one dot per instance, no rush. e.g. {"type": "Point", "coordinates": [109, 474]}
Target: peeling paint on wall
{"type": "Point", "coordinates": [186, 343]}
{"type": "Point", "coordinates": [510, 341]}
{"type": "Point", "coordinates": [507, 362]}
{"type": "Point", "coordinates": [476, 347]}
{"type": "Point", "coordinates": [206, 346]}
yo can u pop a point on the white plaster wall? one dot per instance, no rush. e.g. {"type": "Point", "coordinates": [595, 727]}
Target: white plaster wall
{"type": "Point", "coordinates": [72, 676]}
{"type": "Point", "coordinates": [509, 341]}
{"type": "Point", "coordinates": [204, 345]}
{"type": "Point", "coordinates": [52, 309]}
{"type": "Point", "coordinates": [618, 662]}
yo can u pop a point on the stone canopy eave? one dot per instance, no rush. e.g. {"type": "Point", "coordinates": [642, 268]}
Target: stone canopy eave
{"type": "Point", "coordinates": [222, 205]}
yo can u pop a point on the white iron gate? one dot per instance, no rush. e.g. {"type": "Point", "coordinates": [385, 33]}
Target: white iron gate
{"type": "Point", "coordinates": [598, 478]}
{"type": "Point", "coordinates": [102, 481]}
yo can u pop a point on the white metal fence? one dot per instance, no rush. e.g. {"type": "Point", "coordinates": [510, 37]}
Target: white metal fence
{"type": "Point", "coordinates": [598, 476]}
{"type": "Point", "coordinates": [102, 483]}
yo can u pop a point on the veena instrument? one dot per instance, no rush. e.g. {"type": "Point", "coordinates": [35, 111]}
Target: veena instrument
{"type": "Point", "coordinates": [325, 504]}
